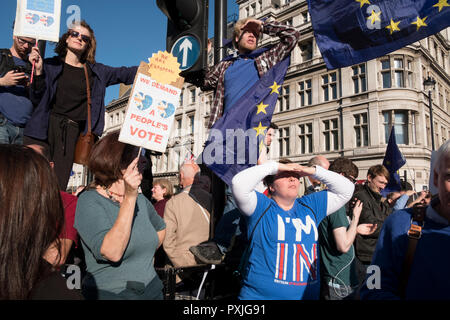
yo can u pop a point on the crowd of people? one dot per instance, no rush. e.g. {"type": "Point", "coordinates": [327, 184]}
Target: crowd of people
{"type": "Point", "coordinates": [314, 243]}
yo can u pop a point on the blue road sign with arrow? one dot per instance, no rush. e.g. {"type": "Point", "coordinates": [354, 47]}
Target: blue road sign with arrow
{"type": "Point", "coordinates": [187, 51]}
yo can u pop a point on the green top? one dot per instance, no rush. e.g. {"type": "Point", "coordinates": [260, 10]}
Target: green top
{"type": "Point", "coordinates": [95, 216]}
{"type": "Point", "coordinates": [334, 264]}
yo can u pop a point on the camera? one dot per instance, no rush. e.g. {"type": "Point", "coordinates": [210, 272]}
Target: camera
{"type": "Point", "coordinates": [19, 69]}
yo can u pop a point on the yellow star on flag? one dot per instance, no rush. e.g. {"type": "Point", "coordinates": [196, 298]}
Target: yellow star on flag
{"type": "Point", "coordinates": [441, 4]}
{"type": "Point", "coordinates": [375, 16]}
{"type": "Point", "coordinates": [275, 88]}
{"type": "Point", "coordinates": [363, 2]}
{"type": "Point", "coordinates": [393, 26]}
{"type": "Point", "coordinates": [260, 129]}
{"type": "Point", "coordinates": [420, 22]}
{"type": "Point", "coordinates": [262, 108]}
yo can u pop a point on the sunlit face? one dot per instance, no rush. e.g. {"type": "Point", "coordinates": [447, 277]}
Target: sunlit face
{"type": "Point", "coordinates": [248, 41]}
{"type": "Point", "coordinates": [285, 186]}
{"type": "Point", "coordinates": [377, 183]}
{"type": "Point", "coordinates": [442, 182]}
{"type": "Point", "coordinates": [75, 42]}
{"type": "Point", "coordinates": [269, 136]}
{"type": "Point", "coordinates": [158, 192]}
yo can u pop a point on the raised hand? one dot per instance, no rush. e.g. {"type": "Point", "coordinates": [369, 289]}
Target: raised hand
{"type": "Point", "coordinates": [132, 178]}
{"type": "Point", "coordinates": [35, 57]}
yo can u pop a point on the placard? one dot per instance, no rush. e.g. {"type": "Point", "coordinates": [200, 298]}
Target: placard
{"type": "Point", "coordinates": [38, 19]}
{"type": "Point", "coordinates": [152, 104]}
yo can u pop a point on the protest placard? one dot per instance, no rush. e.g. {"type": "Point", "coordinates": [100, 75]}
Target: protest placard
{"type": "Point", "coordinates": [151, 107]}
{"type": "Point", "coordinates": [38, 19]}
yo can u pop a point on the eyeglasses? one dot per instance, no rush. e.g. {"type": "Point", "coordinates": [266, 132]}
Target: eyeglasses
{"type": "Point", "coordinates": [23, 42]}
{"type": "Point", "coordinates": [76, 34]}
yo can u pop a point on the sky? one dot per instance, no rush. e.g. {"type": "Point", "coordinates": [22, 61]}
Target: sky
{"type": "Point", "coordinates": [127, 32]}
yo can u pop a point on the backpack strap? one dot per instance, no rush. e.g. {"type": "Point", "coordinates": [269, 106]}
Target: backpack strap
{"type": "Point", "coordinates": [414, 234]}
{"type": "Point", "coordinates": [6, 61]}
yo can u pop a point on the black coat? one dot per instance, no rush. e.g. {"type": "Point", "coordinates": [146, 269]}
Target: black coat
{"type": "Point", "coordinates": [374, 211]}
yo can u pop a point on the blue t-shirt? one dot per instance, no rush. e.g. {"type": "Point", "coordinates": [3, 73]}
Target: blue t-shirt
{"type": "Point", "coordinates": [283, 263]}
{"type": "Point", "coordinates": [14, 103]}
{"type": "Point", "coordinates": [239, 77]}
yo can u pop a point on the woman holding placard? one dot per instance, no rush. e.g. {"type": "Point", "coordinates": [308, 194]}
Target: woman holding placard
{"type": "Point", "coordinates": [64, 84]}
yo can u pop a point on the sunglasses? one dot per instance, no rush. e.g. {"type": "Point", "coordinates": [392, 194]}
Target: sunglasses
{"type": "Point", "coordinates": [76, 34]}
{"type": "Point", "coordinates": [23, 42]}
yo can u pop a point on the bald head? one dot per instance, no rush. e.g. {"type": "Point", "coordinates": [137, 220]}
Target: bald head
{"type": "Point", "coordinates": [188, 171]}
{"type": "Point", "coordinates": [319, 161]}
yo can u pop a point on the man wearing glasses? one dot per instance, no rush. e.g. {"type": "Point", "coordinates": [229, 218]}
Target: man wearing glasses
{"type": "Point", "coordinates": [15, 105]}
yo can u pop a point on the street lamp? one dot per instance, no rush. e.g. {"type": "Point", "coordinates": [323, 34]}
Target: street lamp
{"type": "Point", "coordinates": [428, 85]}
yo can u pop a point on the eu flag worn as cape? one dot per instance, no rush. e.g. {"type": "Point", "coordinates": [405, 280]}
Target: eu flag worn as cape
{"type": "Point", "coordinates": [353, 31]}
{"type": "Point", "coordinates": [236, 138]}
{"type": "Point", "coordinates": [393, 161]}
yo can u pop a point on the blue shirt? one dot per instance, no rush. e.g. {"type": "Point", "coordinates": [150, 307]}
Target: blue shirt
{"type": "Point", "coordinates": [239, 77]}
{"type": "Point", "coordinates": [15, 105]}
{"type": "Point", "coordinates": [284, 260]}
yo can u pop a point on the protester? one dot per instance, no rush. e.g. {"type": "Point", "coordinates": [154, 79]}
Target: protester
{"type": "Point", "coordinates": [336, 236]}
{"type": "Point", "coordinates": [15, 105]}
{"type": "Point", "coordinates": [162, 191]}
{"type": "Point", "coordinates": [188, 222]}
{"type": "Point", "coordinates": [374, 211]}
{"type": "Point", "coordinates": [62, 100]}
{"type": "Point", "coordinates": [423, 275]}
{"type": "Point", "coordinates": [119, 228]}
{"type": "Point", "coordinates": [314, 185]}
{"type": "Point", "coordinates": [230, 225]}
{"type": "Point", "coordinates": [283, 260]}
{"type": "Point", "coordinates": [31, 220]}
{"type": "Point", "coordinates": [54, 255]}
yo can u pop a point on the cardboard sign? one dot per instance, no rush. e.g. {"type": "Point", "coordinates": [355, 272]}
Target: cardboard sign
{"type": "Point", "coordinates": [152, 103]}
{"type": "Point", "coordinates": [38, 19]}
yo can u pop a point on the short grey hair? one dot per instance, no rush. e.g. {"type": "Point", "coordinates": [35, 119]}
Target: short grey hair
{"type": "Point", "coordinates": [441, 154]}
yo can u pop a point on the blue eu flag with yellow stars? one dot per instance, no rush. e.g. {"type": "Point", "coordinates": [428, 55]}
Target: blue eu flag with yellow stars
{"type": "Point", "coordinates": [353, 31]}
{"type": "Point", "coordinates": [393, 161]}
{"type": "Point", "coordinates": [235, 140]}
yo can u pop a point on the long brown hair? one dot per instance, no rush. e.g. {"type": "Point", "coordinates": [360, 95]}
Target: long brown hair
{"type": "Point", "coordinates": [31, 219]}
{"type": "Point", "coordinates": [89, 54]}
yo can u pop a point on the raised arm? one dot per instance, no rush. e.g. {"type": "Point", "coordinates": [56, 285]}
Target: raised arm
{"type": "Point", "coordinates": [244, 183]}
{"type": "Point", "coordinates": [340, 189]}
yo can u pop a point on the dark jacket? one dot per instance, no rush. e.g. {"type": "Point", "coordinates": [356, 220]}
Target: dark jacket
{"type": "Point", "coordinates": [374, 211]}
{"type": "Point", "coordinates": [44, 91]}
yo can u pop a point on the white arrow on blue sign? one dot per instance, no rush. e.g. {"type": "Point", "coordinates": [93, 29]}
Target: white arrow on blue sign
{"type": "Point", "coordinates": [187, 51]}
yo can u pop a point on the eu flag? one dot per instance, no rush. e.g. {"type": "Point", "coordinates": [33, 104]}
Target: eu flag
{"type": "Point", "coordinates": [235, 139]}
{"type": "Point", "coordinates": [393, 160]}
{"type": "Point", "coordinates": [353, 31]}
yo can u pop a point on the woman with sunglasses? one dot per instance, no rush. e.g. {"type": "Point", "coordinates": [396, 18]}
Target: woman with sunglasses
{"type": "Point", "coordinates": [283, 258]}
{"type": "Point", "coordinates": [60, 96]}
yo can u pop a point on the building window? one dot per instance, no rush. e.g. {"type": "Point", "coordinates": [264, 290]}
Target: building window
{"type": "Point", "coordinates": [283, 100]}
{"type": "Point", "coordinates": [331, 134]}
{"type": "Point", "coordinates": [397, 69]}
{"type": "Point", "coordinates": [192, 93]}
{"type": "Point", "coordinates": [191, 124]}
{"type": "Point", "coordinates": [398, 119]}
{"type": "Point", "coordinates": [178, 127]}
{"type": "Point", "coordinates": [305, 93]}
{"type": "Point", "coordinates": [329, 86]}
{"type": "Point", "coordinates": [181, 97]}
{"type": "Point", "coordinates": [305, 138]}
{"type": "Point", "coordinates": [361, 130]}
{"type": "Point", "coordinates": [283, 140]}
{"type": "Point", "coordinates": [305, 17]}
{"type": "Point", "coordinates": [306, 49]}
{"type": "Point", "coordinates": [359, 78]}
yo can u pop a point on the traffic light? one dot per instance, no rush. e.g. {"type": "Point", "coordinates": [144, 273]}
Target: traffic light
{"type": "Point", "coordinates": [187, 34]}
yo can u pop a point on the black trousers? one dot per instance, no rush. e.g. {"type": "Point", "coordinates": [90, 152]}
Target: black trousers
{"type": "Point", "coordinates": [62, 137]}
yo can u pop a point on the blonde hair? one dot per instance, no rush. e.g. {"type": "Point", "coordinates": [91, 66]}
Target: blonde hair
{"type": "Point", "coordinates": [165, 184]}
{"type": "Point", "coordinates": [237, 30]}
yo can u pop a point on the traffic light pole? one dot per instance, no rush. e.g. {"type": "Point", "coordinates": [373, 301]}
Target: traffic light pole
{"type": "Point", "coordinates": [220, 29]}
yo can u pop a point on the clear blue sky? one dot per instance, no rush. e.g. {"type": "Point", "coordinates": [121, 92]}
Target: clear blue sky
{"type": "Point", "coordinates": [127, 32]}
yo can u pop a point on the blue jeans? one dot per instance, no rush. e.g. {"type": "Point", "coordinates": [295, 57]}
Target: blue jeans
{"type": "Point", "coordinates": [227, 226]}
{"type": "Point", "coordinates": [9, 133]}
